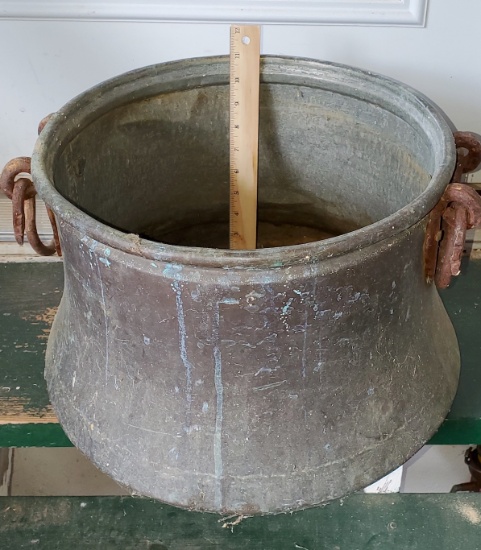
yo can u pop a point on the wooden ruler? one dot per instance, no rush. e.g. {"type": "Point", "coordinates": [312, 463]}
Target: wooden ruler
{"type": "Point", "coordinates": [244, 134]}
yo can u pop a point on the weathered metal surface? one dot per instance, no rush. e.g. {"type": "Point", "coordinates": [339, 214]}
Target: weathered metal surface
{"type": "Point", "coordinates": [26, 320]}
{"type": "Point", "coordinates": [235, 381]}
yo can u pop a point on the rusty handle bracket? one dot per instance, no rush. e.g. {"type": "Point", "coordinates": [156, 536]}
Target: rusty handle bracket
{"type": "Point", "coordinates": [16, 183]}
{"type": "Point", "coordinates": [458, 210]}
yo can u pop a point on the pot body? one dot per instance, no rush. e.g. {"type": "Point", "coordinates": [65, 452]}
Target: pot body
{"type": "Point", "coordinates": [247, 382]}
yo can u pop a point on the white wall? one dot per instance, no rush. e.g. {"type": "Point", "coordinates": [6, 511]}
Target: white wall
{"type": "Point", "coordinates": [43, 64]}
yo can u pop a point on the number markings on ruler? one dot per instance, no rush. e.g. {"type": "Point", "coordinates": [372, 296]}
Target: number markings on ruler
{"type": "Point", "coordinates": [244, 135]}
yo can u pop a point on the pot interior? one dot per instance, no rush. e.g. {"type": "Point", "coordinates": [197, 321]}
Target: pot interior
{"type": "Point", "coordinates": [329, 163]}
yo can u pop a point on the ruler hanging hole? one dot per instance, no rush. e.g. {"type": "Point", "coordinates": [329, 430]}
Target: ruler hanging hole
{"type": "Point", "coordinates": [246, 40]}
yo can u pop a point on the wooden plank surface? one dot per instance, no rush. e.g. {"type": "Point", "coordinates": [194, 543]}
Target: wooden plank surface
{"type": "Point", "coordinates": [30, 292]}
{"type": "Point", "coordinates": [358, 522]}
{"type": "Point", "coordinates": [29, 297]}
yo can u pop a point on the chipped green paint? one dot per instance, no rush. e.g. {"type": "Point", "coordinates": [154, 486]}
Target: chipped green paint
{"type": "Point", "coordinates": [358, 522]}
{"type": "Point", "coordinates": [463, 302]}
{"type": "Point", "coordinates": [461, 431]}
{"type": "Point", "coordinates": [28, 300]}
{"type": "Point", "coordinates": [33, 435]}
{"type": "Point", "coordinates": [30, 293]}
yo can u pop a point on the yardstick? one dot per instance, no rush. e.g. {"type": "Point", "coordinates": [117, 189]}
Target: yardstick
{"type": "Point", "coordinates": [244, 135]}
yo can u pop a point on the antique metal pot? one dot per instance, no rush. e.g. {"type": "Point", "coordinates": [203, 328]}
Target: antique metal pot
{"type": "Point", "coordinates": [261, 381]}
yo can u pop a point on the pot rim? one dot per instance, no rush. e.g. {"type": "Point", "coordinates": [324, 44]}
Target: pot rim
{"type": "Point", "coordinates": [384, 91]}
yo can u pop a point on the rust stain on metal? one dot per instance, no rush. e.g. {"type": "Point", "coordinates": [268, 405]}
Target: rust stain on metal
{"type": "Point", "coordinates": [16, 183]}
{"type": "Point", "coordinates": [468, 146]}
{"type": "Point", "coordinates": [32, 234]}
{"type": "Point", "coordinates": [14, 167]}
{"type": "Point", "coordinates": [458, 210]}
{"type": "Point", "coordinates": [43, 122]}
{"type": "Point", "coordinates": [53, 223]}
{"type": "Point", "coordinates": [451, 247]}
{"type": "Point", "coordinates": [22, 189]}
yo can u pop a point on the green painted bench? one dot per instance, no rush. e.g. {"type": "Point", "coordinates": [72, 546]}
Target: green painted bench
{"type": "Point", "coordinates": [29, 295]}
